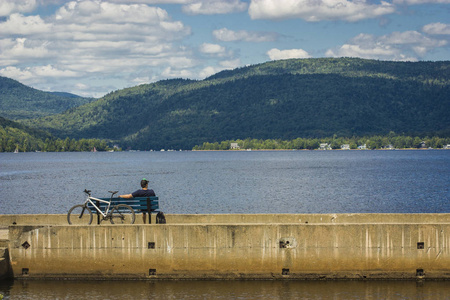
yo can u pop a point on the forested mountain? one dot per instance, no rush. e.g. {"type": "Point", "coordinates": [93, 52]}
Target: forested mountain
{"type": "Point", "coordinates": [18, 101]}
{"type": "Point", "coordinates": [275, 100]}
{"type": "Point", "coordinates": [11, 133]}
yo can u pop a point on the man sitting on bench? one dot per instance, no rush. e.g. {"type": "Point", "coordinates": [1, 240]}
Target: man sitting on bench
{"type": "Point", "coordinates": [144, 192]}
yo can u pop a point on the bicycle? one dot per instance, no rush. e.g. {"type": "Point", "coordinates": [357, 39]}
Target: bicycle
{"type": "Point", "coordinates": [81, 214]}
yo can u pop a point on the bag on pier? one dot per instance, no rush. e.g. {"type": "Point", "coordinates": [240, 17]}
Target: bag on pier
{"type": "Point", "coordinates": [160, 218]}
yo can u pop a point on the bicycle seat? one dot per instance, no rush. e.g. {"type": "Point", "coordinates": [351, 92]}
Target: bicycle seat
{"type": "Point", "coordinates": [113, 192]}
{"type": "Point", "coordinates": [87, 191]}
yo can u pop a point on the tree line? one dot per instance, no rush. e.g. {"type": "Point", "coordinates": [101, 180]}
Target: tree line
{"type": "Point", "coordinates": [52, 145]}
{"type": "Point", "coordinates": [15, 136]}
{"type": "Point", "coordinates": [373, 142]}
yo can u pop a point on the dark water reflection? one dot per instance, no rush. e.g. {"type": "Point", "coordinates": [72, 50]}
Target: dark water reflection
{"type": "Point", "coordinates": [336, 290]}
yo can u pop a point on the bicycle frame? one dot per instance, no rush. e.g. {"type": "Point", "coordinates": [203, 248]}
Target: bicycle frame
{"type": "Point", "coordinates": [90, 199]}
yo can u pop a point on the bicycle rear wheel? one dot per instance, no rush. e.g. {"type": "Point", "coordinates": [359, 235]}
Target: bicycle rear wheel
{"type": "Point", "coordinates": [79, 215]}
{"type": "Point", "coordinates": [122, 214]}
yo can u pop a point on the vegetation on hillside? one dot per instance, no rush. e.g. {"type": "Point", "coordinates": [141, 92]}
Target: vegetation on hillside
{"type": "Point", "coordinates": [309, 98]}
{"type": "Point", "coordinates": [18, 101]}
{"type": "Point", "coordinates": [15, 136]}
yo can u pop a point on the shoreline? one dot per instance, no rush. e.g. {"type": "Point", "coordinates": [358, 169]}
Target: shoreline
{"type": "Point", "coordinates": [396, 149]}
{"type": "Point", "coordinates": [236, 150]}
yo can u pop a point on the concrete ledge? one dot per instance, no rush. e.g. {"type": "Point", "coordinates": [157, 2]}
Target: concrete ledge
{"type": "Point", "coordinates": [247, 247]}
{"type": "Point", "coordinates": [61, 219]}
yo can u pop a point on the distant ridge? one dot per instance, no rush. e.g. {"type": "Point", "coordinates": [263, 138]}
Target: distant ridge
{"type": "Point", "coordinates": [18, 101]}
{"type": "Point", "coordinates": [275, 100]}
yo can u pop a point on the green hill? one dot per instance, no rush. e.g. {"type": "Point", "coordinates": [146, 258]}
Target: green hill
{"type": "Point", "coordinates": [13, 134]}
{"type": "Point", "coordinates": [18, 101]}
{"type": "Point", "coordinates": [275, 100]}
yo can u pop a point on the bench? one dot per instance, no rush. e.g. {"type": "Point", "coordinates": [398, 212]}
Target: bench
{"type": "Point", "coordinates": [142, 205]}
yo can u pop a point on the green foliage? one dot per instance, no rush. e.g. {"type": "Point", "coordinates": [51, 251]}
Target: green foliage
{"type": "Point", "coordinates": [16, 136]}
{"type": "Point", "coordinates": [372, 142]}
{"type": "Point", "coordinates": [312, 98]}
{"type": "Point", "coordinates": [18, 101]}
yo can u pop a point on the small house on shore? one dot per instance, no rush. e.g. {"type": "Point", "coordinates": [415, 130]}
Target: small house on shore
{"type": "Point", "coordinates": [325, 146]}
{"type": "Point", "coordinates": [234, 146]}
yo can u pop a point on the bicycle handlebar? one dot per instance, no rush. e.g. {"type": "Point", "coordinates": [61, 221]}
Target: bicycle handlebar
{"type": "Point", "coordinates": [112, 192]}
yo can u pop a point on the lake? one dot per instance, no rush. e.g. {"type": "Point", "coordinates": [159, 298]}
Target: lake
{"type": "Point", "coordinates": [232, 182]}
{"type": "Point", "coordinates": [412, 181]}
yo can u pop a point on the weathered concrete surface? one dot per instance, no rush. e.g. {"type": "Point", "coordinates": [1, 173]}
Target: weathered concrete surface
{"type": "Point", "coordinates": [4, 232]}
{"type": "Point", "coordinates": [251, 247]}
{"type": "Point", "coordinates": [61, 219]}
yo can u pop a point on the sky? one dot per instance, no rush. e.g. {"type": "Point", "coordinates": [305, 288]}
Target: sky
{"type": "Point", "coordinates": [93, 47]}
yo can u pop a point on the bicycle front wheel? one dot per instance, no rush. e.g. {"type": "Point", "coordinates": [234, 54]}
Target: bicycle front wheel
{"type": "Point", "coordinates": [122, 214]}
{"type": "Point", "coordinates": [79, 215]}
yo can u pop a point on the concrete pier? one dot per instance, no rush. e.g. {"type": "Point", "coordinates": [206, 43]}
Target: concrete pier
{"type": "Point", "coordinates": [238, 246]}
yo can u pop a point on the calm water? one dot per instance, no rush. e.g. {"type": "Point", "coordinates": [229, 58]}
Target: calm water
{"type": "Point", "coordinates": [234, 182]}
{"type": "Point", "coordinates": [231, 182]}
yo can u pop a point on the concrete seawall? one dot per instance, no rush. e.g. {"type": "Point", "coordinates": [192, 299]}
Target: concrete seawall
{"type": "Point", "coordinates": [282, 246]}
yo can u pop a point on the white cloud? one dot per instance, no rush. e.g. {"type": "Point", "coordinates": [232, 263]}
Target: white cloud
{"type": "Point", "coordinates": [401, 46]}
{"type": "Point", "coordinates": [179, 62]}
{"type": "Point", "coordinates": [145, 49]}
{"type": "Point", "coordinates": [51, 71]}
{"type": "Point", "coordinates": [16, 73]}
{"type": "Point", "coordinates": [231, 64]}
{"type": "Point", "coordinates": [385, 52]}
{"type": "Point", "coordinates": [18, 24]}
{"type": "Point", "coordinates": [212, 49]}
{"type": "Point", "coordinates": [210, 7]}
{"type": "Point", "coordinates": [318, 10]}
{"type": "Point", "coordinates": [86, 12]}
{"type": "Point", "coordinates": [21, 50]}
{"type": "Point", "coordinates": [437, 29]}
{"type": "Point", "coordinates": [104, 22]}
{"type": "Point", "coordinates": [153, 1]}
{"type": "Point", "coordinates": [8, 7]}
{"type": "Point", "coordinates": [81, 86]}
{"type": "Point", "coordinates": [94, 38]}
{"type": "Point", "coordinates": [227, 35]}
{"type": "Point", "coordinates": [35, 74]}
{"type": "Point", "coordinates": [413, 2]}
{"type": "Point", "coordinates": [276, 54]}
{"type": "Point", "coordinates": [411, 38]}
{"type": "Point", "coordinates": [174, 73]}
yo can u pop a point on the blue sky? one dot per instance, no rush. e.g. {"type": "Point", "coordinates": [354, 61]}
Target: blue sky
{"type": "Point", "coordinates": [92, 47]}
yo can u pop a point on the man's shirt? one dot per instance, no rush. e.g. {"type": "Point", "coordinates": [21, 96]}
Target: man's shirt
{"type": "Point", "coordinates": [143, 193]}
